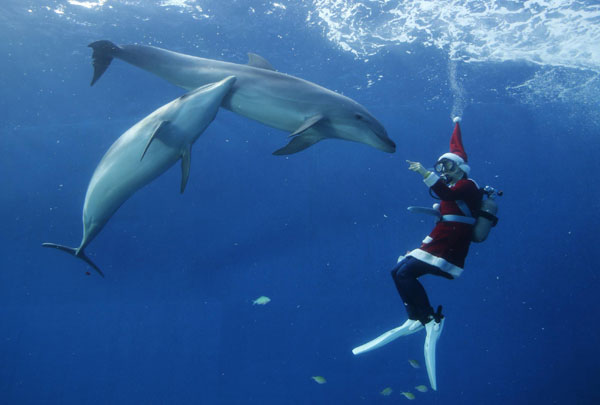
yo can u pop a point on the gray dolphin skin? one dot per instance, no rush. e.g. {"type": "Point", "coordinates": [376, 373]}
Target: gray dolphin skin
{"type": "Point", "coordinates": [143, 153]}
{"type": "Point", "coordinates": [308, 111]}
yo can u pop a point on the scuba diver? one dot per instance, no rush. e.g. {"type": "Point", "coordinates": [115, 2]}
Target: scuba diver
{"type": "Point", "coordinates": [443, 252]}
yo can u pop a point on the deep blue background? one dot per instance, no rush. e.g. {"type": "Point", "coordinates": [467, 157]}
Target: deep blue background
{"type": "Point", "coordinates": [317, 232]}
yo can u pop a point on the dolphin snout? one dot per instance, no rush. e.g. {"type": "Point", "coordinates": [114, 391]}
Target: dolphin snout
{"type": "Point", "coordinates": [384, 143]}
{"type": "Point", "coordinates": [387, 145]}
{"type": "Point", "coordinates": [225, 84]}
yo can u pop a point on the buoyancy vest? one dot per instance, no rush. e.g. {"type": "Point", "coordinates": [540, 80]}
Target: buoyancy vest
{"type": "Point", "coordinates": [483, 219]}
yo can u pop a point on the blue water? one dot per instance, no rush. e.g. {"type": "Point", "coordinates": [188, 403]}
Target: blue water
{"type": "Point", "coordinates": [317, 232]}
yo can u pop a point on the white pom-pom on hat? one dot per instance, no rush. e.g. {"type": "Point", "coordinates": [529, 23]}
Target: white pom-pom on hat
{"type": "Point", "coordinates": [456, 119]}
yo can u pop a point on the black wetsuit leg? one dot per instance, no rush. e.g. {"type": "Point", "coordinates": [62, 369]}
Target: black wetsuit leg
{"type": "Point", "coordinates": [413, 294]}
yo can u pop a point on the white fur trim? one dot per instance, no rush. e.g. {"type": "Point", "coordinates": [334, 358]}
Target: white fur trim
{"type": "Point", "coordinates": [456, 159]}
{"type": "Point", "coordinates": [438, 262]}
{"type": "Point", "coordinates": [453, 157]}
{"type": "Point", "coordinates": [431, 179]}
{"type": "Point", "coordinates": [428, 239]}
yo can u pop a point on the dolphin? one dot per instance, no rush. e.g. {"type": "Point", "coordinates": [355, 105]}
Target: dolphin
{"type": "Point", "coordinates": [309, 112]}
{"type": "Point", "coordinates": [144, 152]}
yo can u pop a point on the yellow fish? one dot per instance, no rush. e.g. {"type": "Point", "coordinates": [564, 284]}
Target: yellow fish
{"type": "Point", "coordinates": [414, 363]}
{"type": "Point", "coordinates": [386, 391]}
{"type": "Point", "coordinates": [421, 388]}
{"type": "Point", "coordinates": [408, 395]}
{"type": "Point", "coordinates": [262, 300]}
{"type": "Point", "coordinates": [318, 379]}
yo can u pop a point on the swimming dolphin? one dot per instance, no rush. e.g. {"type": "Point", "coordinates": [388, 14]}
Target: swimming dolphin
{"type": "Point", "coordinates": [308, 111]}
{"type": "Point", "coordinates": [143, 153]}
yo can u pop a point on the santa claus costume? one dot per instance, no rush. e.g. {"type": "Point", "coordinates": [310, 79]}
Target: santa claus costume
{"type": "Point", "coordinates": [443, 251]}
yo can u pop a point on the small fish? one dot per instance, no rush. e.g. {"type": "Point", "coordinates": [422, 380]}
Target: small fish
{"type": "Point", "coordinates": [318, 379]}
{"type": "Point", "coordinates": [414, 363]}
{"type": "Point", "coordinates": [262, 300]}
{"type": "Point", "coordinates": [408, 395]}
{"type": "Point", "coordinates": [421, 388]}
{"type": "Point", "coordinates": [386, 391]}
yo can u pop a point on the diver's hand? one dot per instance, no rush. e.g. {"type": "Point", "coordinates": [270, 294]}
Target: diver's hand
{"type": "Point", "coordinates": [418, 167]}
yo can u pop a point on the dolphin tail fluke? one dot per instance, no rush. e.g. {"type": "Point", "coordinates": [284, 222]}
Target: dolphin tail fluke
{"type": "Point", "coordinates": [104, 51]}
{"type": "Point", "coordinates": [78, 253]}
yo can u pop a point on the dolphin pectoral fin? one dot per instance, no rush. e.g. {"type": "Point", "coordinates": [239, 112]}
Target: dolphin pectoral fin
{"type": "Point", "coordinates": [258, 61]}
{"type": "Point", "coordinates": [78, 253]}
{"type": "Point", "coordinates": [186, 162]}
{"type": "Point", "coordinates": [103, 54]}
{"type": "Point", "coordinates": [312, 121]}
{"type": "Point", "coordinates": [299, 143]}
{"type": "Point", "coordinates": [159, 128]}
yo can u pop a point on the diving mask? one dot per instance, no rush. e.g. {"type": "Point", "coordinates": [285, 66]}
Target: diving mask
{"type": "Point", "coordinates": [445, 166]}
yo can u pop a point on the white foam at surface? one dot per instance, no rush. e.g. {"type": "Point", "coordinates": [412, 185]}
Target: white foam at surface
{"type": "Point", "coordinates": [87, 4]}
{"type": "Point", "coordinates": [177, 3]}
{"type": "Point", "coordinates": [561, 37]}
{"type": "Point", "coordinates": [547, 32]}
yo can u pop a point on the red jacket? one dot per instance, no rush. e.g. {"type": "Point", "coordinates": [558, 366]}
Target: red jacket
{"type": "Point", "coordinates": [447, 245]}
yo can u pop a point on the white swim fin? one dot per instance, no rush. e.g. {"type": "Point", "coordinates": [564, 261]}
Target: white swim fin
{"type": "Point", "coordinates": [407, 328]}
{"type": "Point", "coordinates": [434, 330]}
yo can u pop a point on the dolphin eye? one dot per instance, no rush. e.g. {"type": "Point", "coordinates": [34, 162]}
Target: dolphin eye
{"type": "Point", "coordinates": [358, 116]}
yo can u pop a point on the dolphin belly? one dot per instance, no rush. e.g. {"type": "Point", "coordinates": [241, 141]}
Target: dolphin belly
{"type": "Point", "coordinates": [121, 173]}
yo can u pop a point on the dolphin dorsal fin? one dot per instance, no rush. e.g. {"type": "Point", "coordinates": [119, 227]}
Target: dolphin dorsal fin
{"type": "Point", "coordinates": [159, 128]}
{"type": "Point", "coordinates": [311, 121]}
{"type": "Point", "coordinates": [258, 61]}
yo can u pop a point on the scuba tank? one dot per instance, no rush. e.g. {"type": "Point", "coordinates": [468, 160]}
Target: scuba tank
{"type": "Point", "coordinates": [486, 217]}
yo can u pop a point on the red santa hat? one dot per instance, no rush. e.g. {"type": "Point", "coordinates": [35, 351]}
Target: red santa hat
{"type": "Point", "coordinates": [457, 152]}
